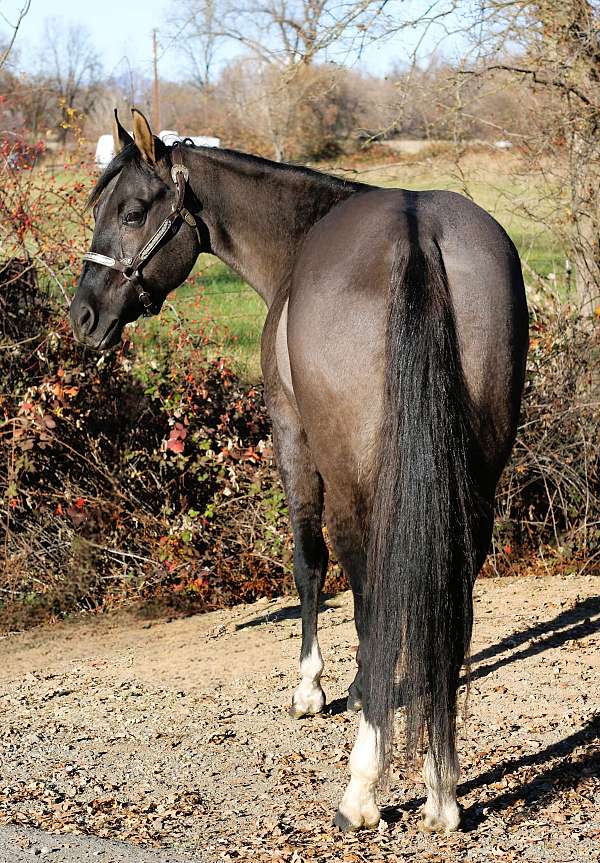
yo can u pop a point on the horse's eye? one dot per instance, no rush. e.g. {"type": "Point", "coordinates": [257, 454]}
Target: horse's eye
{"type": "Point", "coordinates": [134, 217]}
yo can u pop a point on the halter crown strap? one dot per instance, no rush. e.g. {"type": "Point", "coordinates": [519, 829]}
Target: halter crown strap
{"type": "Point", "coordinates": [131, 267]}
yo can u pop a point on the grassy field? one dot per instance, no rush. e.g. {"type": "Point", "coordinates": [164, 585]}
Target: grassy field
{"type": "Point", "coordinates": [230, 312]}
{"type": "Point", "coordinates": [496, 184]}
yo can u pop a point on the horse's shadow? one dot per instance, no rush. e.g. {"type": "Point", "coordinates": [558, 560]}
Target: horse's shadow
{"type": "Point", "coordinates": [566, 772]}
{"type": "Point", "coordinates": [538, 791]}
{"type": "Point", "coordinates": [569, 625]}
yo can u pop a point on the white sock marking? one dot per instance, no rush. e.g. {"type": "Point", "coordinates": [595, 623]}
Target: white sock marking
{"type": "Point", "coordinates": [440, 811]}
{"type": "Point", "coordinates": [358, 803]}
{"type": "Point", "coordinates": [309, 697]}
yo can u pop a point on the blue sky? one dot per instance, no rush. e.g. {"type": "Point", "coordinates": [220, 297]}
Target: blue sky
{"type": "Point", "coordinates": [119, 28]}
{"type": "Point", "coordinates": [122, 32]}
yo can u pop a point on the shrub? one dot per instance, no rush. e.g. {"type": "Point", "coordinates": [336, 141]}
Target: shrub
{"type": "Point", "coordinates": [548, 502]}
{"type": "Point", "coordinates": [124, 479]}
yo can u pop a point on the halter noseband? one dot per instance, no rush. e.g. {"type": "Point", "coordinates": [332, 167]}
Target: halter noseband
{"type": "Point", "coordinates": [131, 268]}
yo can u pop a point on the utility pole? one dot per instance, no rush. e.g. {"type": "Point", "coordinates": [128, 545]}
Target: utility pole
{"type": "Point", "coordinates": [155, 100]}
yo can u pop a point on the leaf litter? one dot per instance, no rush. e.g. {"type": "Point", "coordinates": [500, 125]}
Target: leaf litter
{"type": "Point", "coordinates": [171, 739]}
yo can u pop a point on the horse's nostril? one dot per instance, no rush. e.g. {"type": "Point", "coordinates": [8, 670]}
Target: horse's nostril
{"type": "Point", "coordinates": [85, 319]}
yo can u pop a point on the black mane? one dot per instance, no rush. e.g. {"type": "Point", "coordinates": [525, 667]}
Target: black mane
{"type": "Point", "coordinates": [131, 155]}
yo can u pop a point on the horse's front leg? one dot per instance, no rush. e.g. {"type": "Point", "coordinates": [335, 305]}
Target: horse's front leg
{"type": "Point", "coordinates": [304, 492]}
{"type": "Point", "coordinates": [310, 566]}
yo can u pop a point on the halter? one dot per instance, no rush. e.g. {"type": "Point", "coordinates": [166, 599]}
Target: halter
{"type": "Point", "coordinates": [131, 268]}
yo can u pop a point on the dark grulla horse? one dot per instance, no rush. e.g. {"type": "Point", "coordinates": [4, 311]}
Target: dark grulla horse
{"type": "Point", "coordinates": [393, 357]}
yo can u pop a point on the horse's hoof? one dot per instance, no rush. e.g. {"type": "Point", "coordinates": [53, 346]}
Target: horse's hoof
{"type": "Point", "coordinates": [299, 710]}
{"type": "Point", "coordinates": [354, 703]}
{"type": "Point", "coordinates": [343, 823]}
{"type": "Point", "coordinates": [296, 713]}
{"type": "Point", "coordinates": [434, 824]}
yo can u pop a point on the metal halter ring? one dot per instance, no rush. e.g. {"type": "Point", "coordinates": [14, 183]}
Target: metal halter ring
{"type": "Point", "coordinates": [178, 168]}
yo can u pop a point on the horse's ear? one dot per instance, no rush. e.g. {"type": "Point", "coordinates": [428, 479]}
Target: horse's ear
{"type": "Point", "coordinates": [143, 137]}
{"type": "Point", "coordinates": [121, 136]}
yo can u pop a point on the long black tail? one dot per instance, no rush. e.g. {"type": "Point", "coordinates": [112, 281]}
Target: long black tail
{"type": "Point", "coordinates": [421, 546]}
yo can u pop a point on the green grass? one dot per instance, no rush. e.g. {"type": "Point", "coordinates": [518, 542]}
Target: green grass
{"type": "Point", "coordinates": [232, 312]}
{"type": "Point", "coordinates": [227, 310]}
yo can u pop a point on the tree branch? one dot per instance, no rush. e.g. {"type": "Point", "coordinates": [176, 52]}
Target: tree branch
{"type": "Point", "coordinates": [535, 76]}
{"type": "Point", "coordinates": [15, 28]}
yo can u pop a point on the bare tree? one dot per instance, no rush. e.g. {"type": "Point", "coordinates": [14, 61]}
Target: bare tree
{"type": "Point", "coordinates": [284, 33]}
{"type": "Point", "coordinates": [277, 43]}
{"type": "Point", "coordinates": [73, 71]}
{"type": "Point", "coordinates": [14, 29]}
{"type": "Point", "coordinates": [296, 32]}
{"type": "Point", "coordinates": [195, 30]}
{"type": "Point", "coordinates": [555, 49]}
{"type": "Point", "coordinates": [550, 53]}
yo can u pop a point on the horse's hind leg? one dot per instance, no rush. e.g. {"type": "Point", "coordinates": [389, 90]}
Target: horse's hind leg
{"type": "Point", "coordinates": [346, 535]}
{"type": "Point", "coordinates": [304, 493]}
{"type": "Point", "coordinates": [440, 774]}
{"type": "Point", "coordinates": [358, 807]}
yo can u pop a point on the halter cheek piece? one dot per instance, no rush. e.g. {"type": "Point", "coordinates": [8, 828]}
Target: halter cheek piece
{"type": "Point", "coordinates": [131, 268]}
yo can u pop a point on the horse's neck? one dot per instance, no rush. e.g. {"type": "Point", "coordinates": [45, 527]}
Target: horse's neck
{"type": "Point", "coordinates": [258, 212]}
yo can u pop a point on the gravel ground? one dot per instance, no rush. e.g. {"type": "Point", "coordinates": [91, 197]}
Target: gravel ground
{"type": "Point", "coordinates": [174, 738]}
{"type": "Point", "coordinates": [19, 844]}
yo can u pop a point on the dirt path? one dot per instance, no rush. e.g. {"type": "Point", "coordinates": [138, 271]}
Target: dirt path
{"type": "Point", "coordinates": [176, 736]}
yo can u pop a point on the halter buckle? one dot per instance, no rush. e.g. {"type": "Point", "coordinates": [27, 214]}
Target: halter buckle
{"type": "Point", "coordinates": [188, 218]}
{"type": "Point", "coordinates": [178, 168]}
{"type": "Point", "coordinates": [147, 302]}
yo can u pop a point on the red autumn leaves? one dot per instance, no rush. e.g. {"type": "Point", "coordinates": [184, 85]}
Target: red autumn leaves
{"type": "Point", "coordinates": [175, 442]}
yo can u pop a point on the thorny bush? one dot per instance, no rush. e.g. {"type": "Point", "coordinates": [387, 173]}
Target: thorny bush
{"type": "Point", "coordinates": [41, 218]}
{"type": "Point", "coordinates": [548, 501]}
{"type": "Point", "coordinates": [149, 480]}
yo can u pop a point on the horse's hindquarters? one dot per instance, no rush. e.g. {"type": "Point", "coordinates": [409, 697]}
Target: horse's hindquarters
{"type": "Point", "coordinates": [338, 312]}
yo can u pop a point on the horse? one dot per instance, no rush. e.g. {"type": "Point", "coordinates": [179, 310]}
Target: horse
{"type": "Point", "coordinates": [393, 357]}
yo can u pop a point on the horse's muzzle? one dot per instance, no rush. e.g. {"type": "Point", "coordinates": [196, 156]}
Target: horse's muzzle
{"type": "Point", "coordinates": [90, 328]}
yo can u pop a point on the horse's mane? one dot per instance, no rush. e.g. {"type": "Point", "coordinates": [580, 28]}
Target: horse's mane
{"type": "Point", "coordinates": [248, 162]}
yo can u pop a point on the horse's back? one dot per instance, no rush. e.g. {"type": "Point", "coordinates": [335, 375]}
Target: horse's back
{"type": "Point", "coordinates": [338, 309]}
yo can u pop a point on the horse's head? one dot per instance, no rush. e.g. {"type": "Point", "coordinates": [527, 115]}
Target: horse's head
{"type": "Point", "coordinates": [145, 240]}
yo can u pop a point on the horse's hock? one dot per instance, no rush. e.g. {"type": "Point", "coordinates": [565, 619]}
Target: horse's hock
{"type": "Point", "coordinates": [176, 735]}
